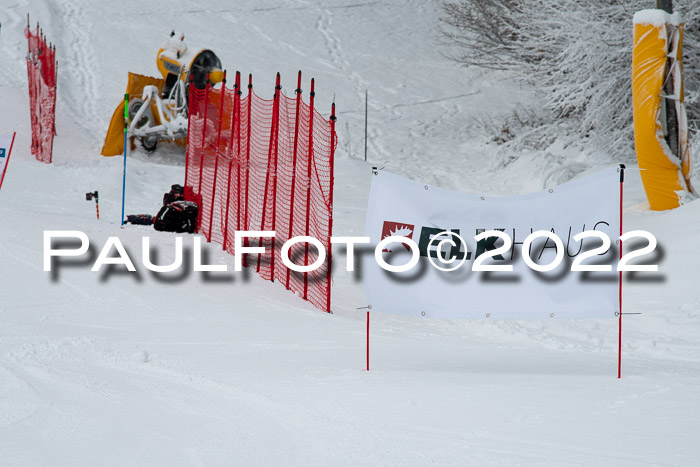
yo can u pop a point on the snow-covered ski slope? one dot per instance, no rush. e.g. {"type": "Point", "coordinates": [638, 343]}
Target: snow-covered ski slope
{"type": "Point", "coordinates": [227, 369]}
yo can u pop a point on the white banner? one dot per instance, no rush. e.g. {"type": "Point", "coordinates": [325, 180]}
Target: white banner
{"type": "Point", "coordinates": [5, 147]}
{"type": "Point", "coordinates": [402, 207]}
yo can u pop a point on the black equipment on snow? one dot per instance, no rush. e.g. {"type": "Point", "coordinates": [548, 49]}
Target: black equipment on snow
{"type": "Point", "coordinates": [139, 219]}
{"type": "Point", "coordinates": [178, 216]}
{"type": "Point", "coordinates": [176, 193]}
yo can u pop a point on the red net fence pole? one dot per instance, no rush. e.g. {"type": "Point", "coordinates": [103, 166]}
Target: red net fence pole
{"type": "Point", "coordinates": [234, 151]}
{"type": "Point", "coordinates": [269, 199]}
{"type": "Point", "coordinates": [41, 76]}
{"type": "Point", "coordinates": [330, 203]}
{"type": "Point", "coordinates": [298, 92]}
{"type": "Point", "coordinates": [259, 165]}
{"type": "Point", "coordinates": [309, 166]}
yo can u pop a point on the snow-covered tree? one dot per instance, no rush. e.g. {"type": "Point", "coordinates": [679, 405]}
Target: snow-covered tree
{"type": "Point", "coordinates": [576, 54]}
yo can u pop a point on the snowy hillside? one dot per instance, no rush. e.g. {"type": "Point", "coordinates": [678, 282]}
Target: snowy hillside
{"type": "Point", "coordinates": [227, 369]}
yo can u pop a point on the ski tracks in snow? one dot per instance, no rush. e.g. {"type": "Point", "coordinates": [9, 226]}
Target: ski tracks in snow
{"type": "Point", "coordinates": [324, 25]}
{"type": "Point", "coordinates": [82, 67]}
{"type": "Point", "coordinates": [93, 383]}
{"type": "Point", "coordinates": [13, 18]}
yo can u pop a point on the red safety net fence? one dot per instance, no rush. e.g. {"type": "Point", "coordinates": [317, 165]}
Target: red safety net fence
{"type": "Point", "coordinates": [41, 71]}
{"type": "Point", "coordinates": [264, 165]}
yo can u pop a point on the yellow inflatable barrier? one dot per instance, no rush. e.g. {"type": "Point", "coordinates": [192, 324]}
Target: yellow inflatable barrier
{"type": "Point", "coordinates": [166, 117]}
{"type": "Point", "coordinates": [666, 176]}
{"type": "Point", "coordinates": [114, 141]}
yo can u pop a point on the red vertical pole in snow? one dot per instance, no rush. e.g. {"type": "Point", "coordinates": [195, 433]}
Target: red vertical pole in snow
{"type": "Point", "coordinates": [235, 140]}
{"type": "Point", "coordinates": [247, 162]}
{"type": "Point", "coordinates": [619, 342]}
{"type": "Point", "coordinates": [54, 74]}
{"type": "Point", "coordinates": [9, 153]}
{"type": "Point", "coordinates": [237, 112]}
{"type": "Point", "coordinates": [367, 340]}
{"type": "Point", "coordinates": [271, 171]}
{"type": "Point", "coordinates": [294, 164]}
{"type": "Point", "coordinates": [204, 134]}
{"type": "Point", "coordinates": [276, 123]}
{"type": "Point", "coordinates": [189, 125]}
{"type": "Point", "coordinates": [216, 154]}
{"type": "Point", "coordinates": [331, 162]}
{"type": "Point", "coordinates": [312, 94]}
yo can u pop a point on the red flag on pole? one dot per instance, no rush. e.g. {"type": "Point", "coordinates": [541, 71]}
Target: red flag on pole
{"type": "Point", "coordinates": [6, 142]}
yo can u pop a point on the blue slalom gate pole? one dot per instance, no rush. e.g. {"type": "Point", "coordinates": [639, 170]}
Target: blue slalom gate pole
{"type": "Point", "coordinates": [126, 130]}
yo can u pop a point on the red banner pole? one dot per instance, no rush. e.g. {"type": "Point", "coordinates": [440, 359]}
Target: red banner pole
{"type": "Point", "coordinates": [217, 154]}
{"type": "Point", "coordinates": [331, 162]}
{"type": "Point", "coordinates": [309, 161]}
{"type": "Point", "coordinates": [367, 340]}
{"type": "Point", "coordinates": [619, 343]}
{"type": "Point", "coordinates": [294, 165]}
{"type": "Point", "coordinates": [234, 140]}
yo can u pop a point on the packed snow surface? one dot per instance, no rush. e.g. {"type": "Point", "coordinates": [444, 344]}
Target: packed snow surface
{"type": "Point", "coordinates": [117, 368]}
{"type": "Point", "coordinates": [657, 17]}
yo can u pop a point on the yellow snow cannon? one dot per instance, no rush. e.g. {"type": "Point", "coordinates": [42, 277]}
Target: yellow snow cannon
{"type": "Point", "coordinates": [158, 106]}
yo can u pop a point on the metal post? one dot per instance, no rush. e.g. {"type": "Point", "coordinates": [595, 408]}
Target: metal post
{"type": "Point", "coordinates": [366, 99]}
{"type": "Point", "coordinates": [666, 5]}
{"type": "Point", "coordinates": [670, 115]}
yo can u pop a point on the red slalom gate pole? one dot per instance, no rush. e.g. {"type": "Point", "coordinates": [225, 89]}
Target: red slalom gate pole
{"type": "Point", "coordinates": [294, 164]}
{"type": "Point", "coordinates": [9, 151]}
{"type": "Point", "coordinates": [619, 342]}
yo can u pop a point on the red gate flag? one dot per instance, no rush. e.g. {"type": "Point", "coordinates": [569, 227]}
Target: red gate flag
{"type": "Point", "coordinates": [6, 142]}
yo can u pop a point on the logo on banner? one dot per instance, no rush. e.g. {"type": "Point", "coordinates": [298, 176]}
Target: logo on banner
{"type": "Point", "coordinates": [396, 229]}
